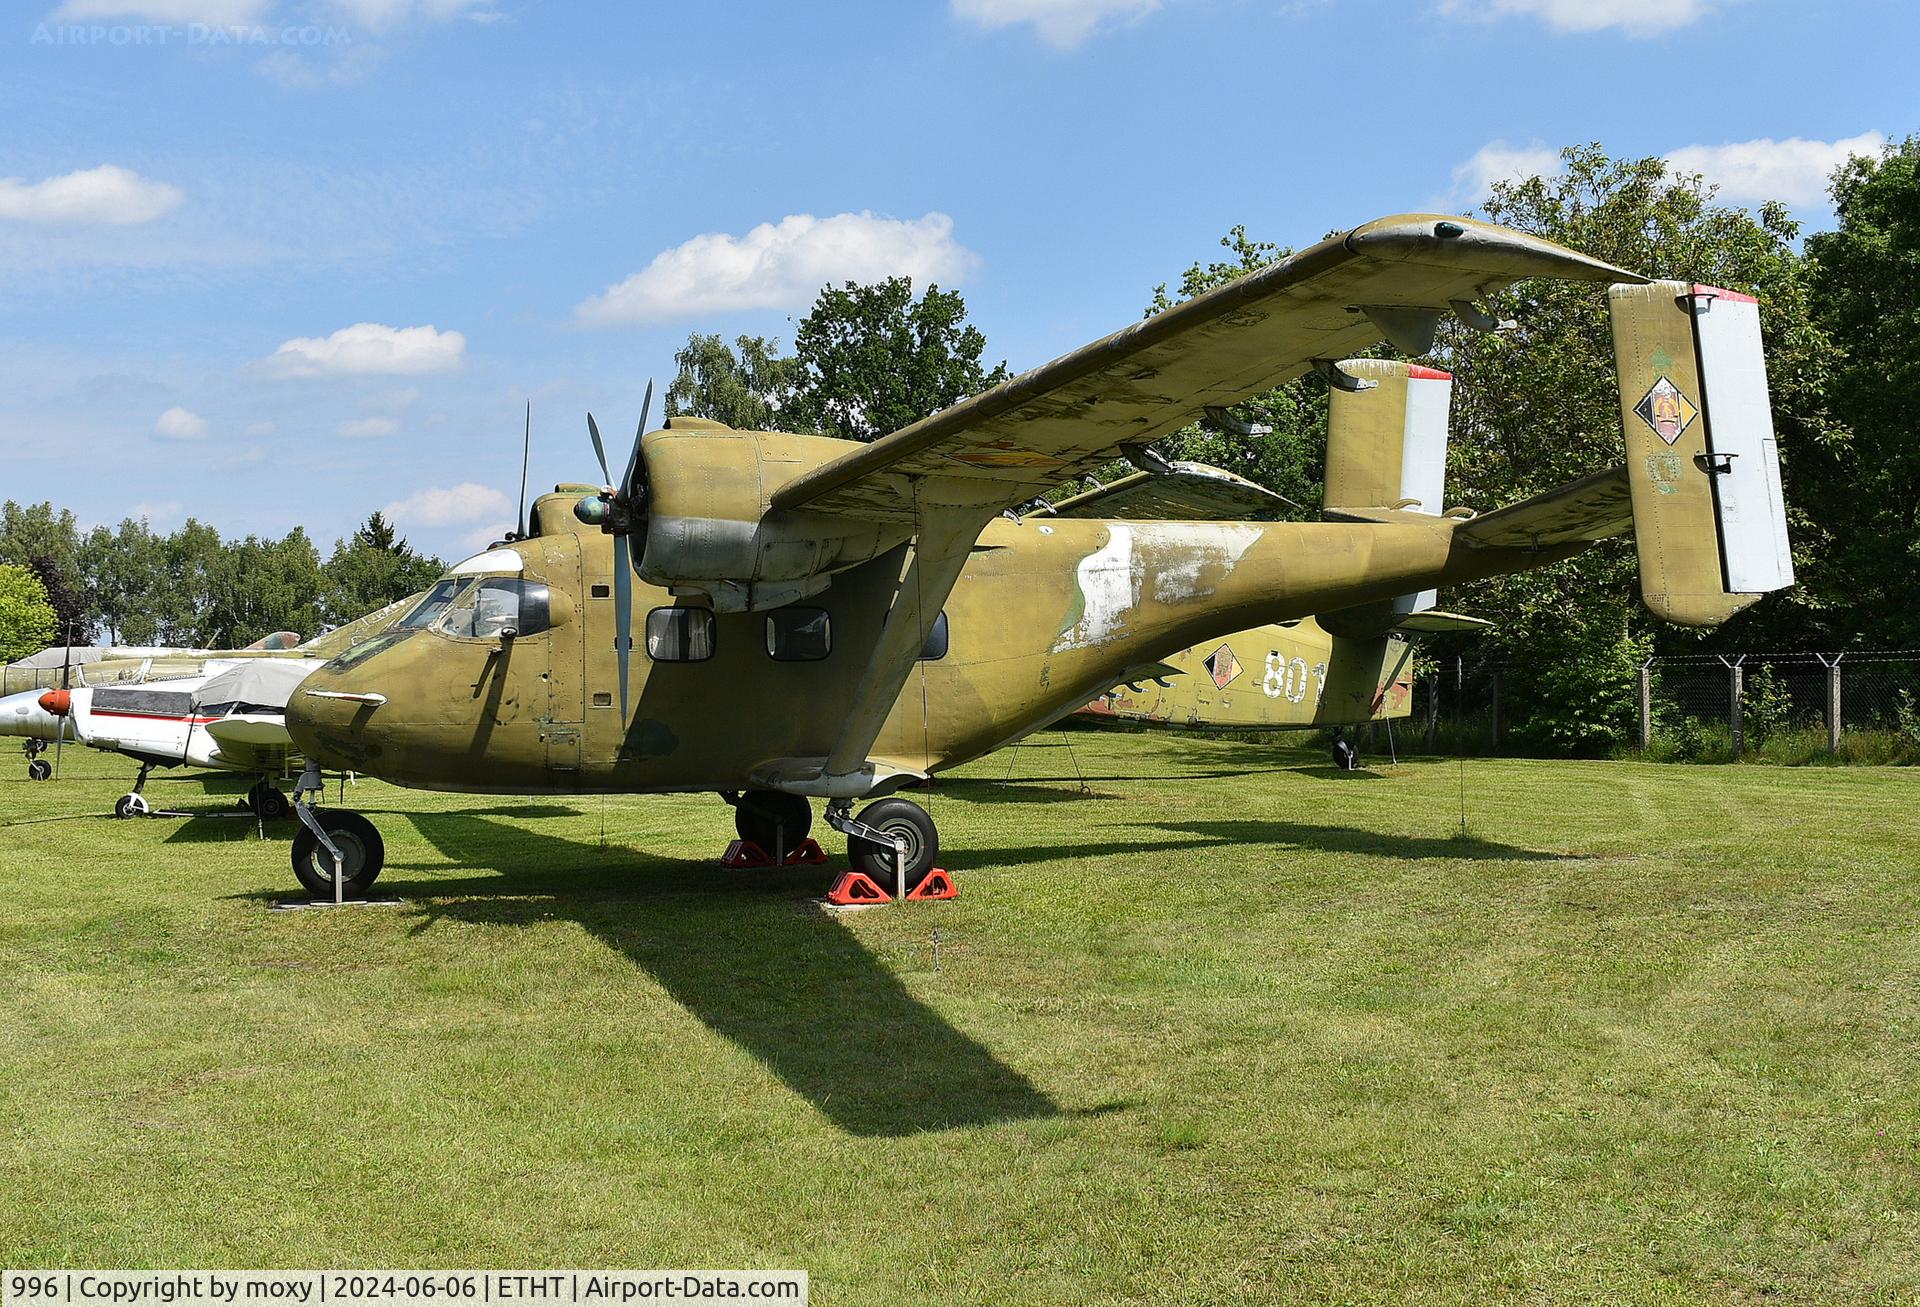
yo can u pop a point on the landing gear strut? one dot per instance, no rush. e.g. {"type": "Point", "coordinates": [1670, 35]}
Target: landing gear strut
{"type": "Point", "coordinates": [133, 804]}
{"type": "Point", "coordinates": [333, 838]}
{"type": "Point", "coordinates": [879, 831]}
{"type": "Point", "coordinates": [38, 768]}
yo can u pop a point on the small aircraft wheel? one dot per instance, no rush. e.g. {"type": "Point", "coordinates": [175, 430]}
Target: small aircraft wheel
{"type": "Point", "coordinates": [765, 816]}
{"type": "Point", "coordinates": [901, 818]}
{"type": "Point", "coordinates": [267, 802]}
{"type": "Point", "coordinates": [1345, 756]}
{"type": "Point", "coordinates": [362, 851]}
{"type": "Point", "coordinates": [39, 770]}
{"type": "Point", "coordinates": [130, 805]}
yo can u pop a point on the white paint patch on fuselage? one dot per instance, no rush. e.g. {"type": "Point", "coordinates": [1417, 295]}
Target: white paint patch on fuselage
{"type": "Point", "coordinates": [1109, 587]}
{"type": "Point", "coordinates": [1179, 554]}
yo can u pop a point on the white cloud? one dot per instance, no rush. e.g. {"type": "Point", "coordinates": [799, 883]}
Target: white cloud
{"type": "Point", "coordinates": [167, 510]}
{"type": "Point", "coordinates": [469, 505]}
{"type": "Point", "coordinates": [361, 427]}
{"type": "Point", "coordinates": [1498, 161]}
{"type": "Point", "coordinates": [369, 349]}
{"type": "Point", "coordinates": [179, 424]}
{"type": "Point", "coordinates": [108, 194]}
{"type": "Point", "coordinates": [1060, 23]}
{"type": "Point", "coordinates": [214, 13]}
{"type": "Point", "coordinates": [383, 14]}
{"type": "Point", "coordinates": [1634, 17]}
{"type": "Point", "coordinates": [1794, 171]}
{"type": "Point", "coordinates": [781, 265]}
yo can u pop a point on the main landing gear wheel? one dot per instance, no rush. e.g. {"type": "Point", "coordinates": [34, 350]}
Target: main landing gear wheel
{"type": "Point", "coordinates": [363, 853]}
{"type": "Point", "coordinates": [130, 805]}
{"type": "Point", "coordinates": [772, 817]}
{"type": "Point", "coordinates": [39, 770]}
{"type": "Point", "coordinates": [906, 820]}
{"type": "Point", "coordinates": [1345, 756]}
{"type": "Point", "coordinates": [266, 802]}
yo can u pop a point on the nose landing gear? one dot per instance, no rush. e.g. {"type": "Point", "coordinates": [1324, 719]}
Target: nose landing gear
{"type": "Point", "coordinates": [337, 855]}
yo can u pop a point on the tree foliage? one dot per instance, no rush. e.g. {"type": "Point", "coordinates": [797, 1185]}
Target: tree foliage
{"type": "Point", "coordinates": [372, 569]}
{"type": "Point", "coordinates": [1863, 483]}
{"type": "Point", "coordinates": [27, 620]}
{"type": "Point", "coordinates": [749, 386]}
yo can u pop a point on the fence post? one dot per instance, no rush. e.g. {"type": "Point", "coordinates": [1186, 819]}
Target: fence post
{"type": "Point", "coordinates": [1736, 703]}
{"type": "Point", "coordinates": [1493, 692]}
{"type": "Point", "coordinates": [1433, 710]}
{"type": "Point", "coordinates": [1646, 705]}
{"type": "Point", "coordinates": [1833, 704]}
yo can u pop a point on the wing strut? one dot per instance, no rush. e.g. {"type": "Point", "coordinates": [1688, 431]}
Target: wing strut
{"type": "Point", "coordinates": [940, 547]}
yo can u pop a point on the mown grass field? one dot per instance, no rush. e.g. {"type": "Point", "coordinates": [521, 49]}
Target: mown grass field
{"type": "Point", "coordinates": [1234, 1028]}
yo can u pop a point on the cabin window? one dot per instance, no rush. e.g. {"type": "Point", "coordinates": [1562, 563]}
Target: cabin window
{"type": "Point", "coordinates": [936, 646]}
{"type": "Point", "coordinates": [680, 635]}
{"type": "Point", "coordinates": [498, 604]}
{"type": "Point", "coordinates": [799, 635]}
{"type": "Point", "coordinates": [428, 610]}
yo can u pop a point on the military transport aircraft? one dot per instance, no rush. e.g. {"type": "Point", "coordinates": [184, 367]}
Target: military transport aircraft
{"type": "Point", "coordinates": [827, 620]}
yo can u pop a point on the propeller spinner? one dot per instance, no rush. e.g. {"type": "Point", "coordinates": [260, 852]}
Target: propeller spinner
{"type": "Point", "coordinates": [617, 510]}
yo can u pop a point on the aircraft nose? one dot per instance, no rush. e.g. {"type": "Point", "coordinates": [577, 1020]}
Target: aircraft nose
{"type": "Point", "coordinates": [330, 730]}
{"type": "Point", "coordinates": [57, 702]}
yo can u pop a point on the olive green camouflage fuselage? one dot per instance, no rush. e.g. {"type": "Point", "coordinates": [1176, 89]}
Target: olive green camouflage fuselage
{"type": "Point", "coordinates": [1046, 614]}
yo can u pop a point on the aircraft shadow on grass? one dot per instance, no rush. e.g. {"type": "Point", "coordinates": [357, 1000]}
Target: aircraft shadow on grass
{"type": "Point", "coordinates": [1212, 836]}
{"type": "Point", "coordinates": [789, 985]}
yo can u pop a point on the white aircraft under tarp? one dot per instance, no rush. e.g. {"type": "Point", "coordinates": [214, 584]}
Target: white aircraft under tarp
{"type": "Point", "coordinates": [232, 717]}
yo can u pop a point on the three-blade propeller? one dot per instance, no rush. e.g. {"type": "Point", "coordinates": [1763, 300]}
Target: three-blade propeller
{"type": "Point", "coordinates": [618, 511]}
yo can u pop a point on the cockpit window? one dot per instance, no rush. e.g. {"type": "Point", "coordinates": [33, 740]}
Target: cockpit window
{"type": "Point", "coordinates": [497, 604]}
{"type": "Point", "coordinates": [429, 609]}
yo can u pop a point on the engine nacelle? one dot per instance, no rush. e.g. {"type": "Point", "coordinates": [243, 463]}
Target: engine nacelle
{"type": "Point", "coordinates": [709, 527]}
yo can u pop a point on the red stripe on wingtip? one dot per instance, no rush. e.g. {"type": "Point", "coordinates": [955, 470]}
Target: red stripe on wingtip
{"type": "Point", "coordinates": [1733, 295]}
{"type": "Point", "coordinates": [1428, 374]}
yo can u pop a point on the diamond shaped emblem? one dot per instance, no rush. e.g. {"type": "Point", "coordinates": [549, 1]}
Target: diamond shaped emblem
{"type": "Point", "coordinates": [1222, 666]}
{"type": "Point", "coordinates": [1666, 410]}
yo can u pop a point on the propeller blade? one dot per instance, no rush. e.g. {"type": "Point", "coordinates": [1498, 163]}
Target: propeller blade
{"type": "Point", "coordinates": [526, 451]}
{"type": "Point", "coordinates": [622, 617]}
{"type": "Point", "coordinates": [599, 450]}
{"type": "Point", "coordinates": [628, 489]}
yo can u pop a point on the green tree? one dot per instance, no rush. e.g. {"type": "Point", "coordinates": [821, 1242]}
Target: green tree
{"type": "Point", "coordinates": [126, 576]}
{"type": "Point", "coordinates": [874, 359]}
{"type": "Point", "coordinates": [257, 586]}
{"type": "Point", "coordinates": [749, 386]}
{"type": "Point", "coordinates": [1864, 486]}
{"type": "Point", "coordinates": [27, 621]}
{"type": "Point", "coordinates": [40, 532]}
{"type": "Point", "coordinates": [372, 569]}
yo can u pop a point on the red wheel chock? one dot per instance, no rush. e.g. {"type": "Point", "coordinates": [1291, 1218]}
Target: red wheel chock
{"type": "Point", "coordinates": [808, 854]}
{"type": "Point", "coordinates": [936, 885]}
{"type": "Point", "coordinates": [745, 853]}
{"type": "Point", "coordinates": [853, 887]}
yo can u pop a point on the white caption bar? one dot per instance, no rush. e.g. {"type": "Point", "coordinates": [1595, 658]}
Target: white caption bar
{"type": "Point", "coordinates": [397, 1288]}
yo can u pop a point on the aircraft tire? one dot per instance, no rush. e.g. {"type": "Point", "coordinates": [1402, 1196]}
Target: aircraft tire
{"type": "Point", "coordinates": [130, 805]}
{"type": "Point", "coordinates": [360, 844]}
{"type": "Point", "coordinates": [764, 816]}
{"type": "Point", "coordinates": [268, 803]}
{"type": "Point", "coordinates": [39, 770]}
{"type": "Point", "coordinates": [901, 817]}
{"type": "Point", "coordinates": [1345, 756]}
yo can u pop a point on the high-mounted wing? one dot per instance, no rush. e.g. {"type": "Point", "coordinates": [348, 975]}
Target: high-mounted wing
{"type": "Point", "coordinates": [1186, 492]}
{"type": "Point", "coordinates": [1392, 279]}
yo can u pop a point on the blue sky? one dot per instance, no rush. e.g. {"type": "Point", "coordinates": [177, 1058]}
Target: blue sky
{"type": "Point", "coordinates": [277, 262]}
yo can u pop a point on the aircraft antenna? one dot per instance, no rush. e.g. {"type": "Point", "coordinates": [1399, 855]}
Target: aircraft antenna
{"type": "Point", "coordinates": [526, 450]}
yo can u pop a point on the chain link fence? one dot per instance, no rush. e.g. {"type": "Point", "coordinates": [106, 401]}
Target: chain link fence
{"type": "Point", "coordinates": [1769, 707]}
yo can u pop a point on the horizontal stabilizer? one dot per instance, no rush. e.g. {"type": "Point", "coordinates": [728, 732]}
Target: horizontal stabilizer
{"type": "Point", "coordinates": [1190, 492]}
{"type": "Point", "coordinates": [1593, 508]}
{"type": "Point", "coordinates": [1435, 622]}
